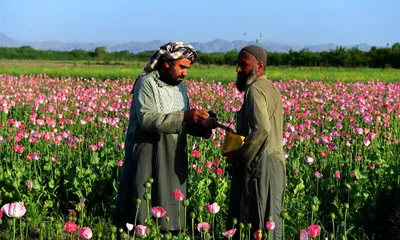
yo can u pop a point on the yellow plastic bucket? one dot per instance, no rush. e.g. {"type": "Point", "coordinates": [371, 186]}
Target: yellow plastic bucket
{"type": "Point", "coordinates": [231, 142]}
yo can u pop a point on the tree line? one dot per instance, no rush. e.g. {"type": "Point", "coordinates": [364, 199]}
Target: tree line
{"type": "Point", "coordinates": [385, 57]}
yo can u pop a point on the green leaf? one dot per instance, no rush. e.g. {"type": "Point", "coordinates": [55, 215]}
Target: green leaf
{"type": "Point", "coordinates": [316, 201]}
{"type": "Point", "coordinates": [366, 195]}
{"type": "Point", "coordinates": [300, 186]}
{"type": "Point", "coordinates": [359, 176]}
{"type": "Point", "coordinates": [95, 158]}
{"type": "Point", "coordinates": [51, 184]}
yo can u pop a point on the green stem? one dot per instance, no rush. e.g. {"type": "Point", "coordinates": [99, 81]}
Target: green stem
{"type": "Point", "coordinates": [30, 170]}
{"type": "Point", "coordinates": [298, 220]}
{"type": "Point", "coordinates": [150, 189]}
{"type": "Point", "coordinates": [26, 231]}
{"type": "Point", "coordinates": [157, 232]}
{"type": "Point", "coordinates": [20, 228]}
{"type": "Point", "coordinates": [184, 217]}
{"type": "Point", "coordinates": [80, 158]}
{"type": "Point", "coordinates": [213, 224]}
{"type": "Point", "coordinates": [35, 166]}
{"type": "Point", "coordinates": [169, 226]}
{"type": "Point", "coordinates": [14, 228]}
{"type": "Point", "coordinates": [192, 228]}
{"type": "Point", "coordinates": [312, 217]}
{"type": "Point", "coordinates": [179, 216]}
{"type": "Point", "coordinates": [333, 226]}
{"type": "Point", "coordinates": [83, 215]}
{"type": "Point", "coordinates": [136, 216]}
{"type": "Point", "coordinates": [345, 215]}
{"type": "Point", "coordinates": [148, 208]}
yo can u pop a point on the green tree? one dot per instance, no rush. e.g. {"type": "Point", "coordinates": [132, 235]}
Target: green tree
{"type": "Point", "coordinates": [100, 53]}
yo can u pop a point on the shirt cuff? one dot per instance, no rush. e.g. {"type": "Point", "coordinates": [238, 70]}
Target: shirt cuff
{"type": "Point", "coordinates": [179, 121]}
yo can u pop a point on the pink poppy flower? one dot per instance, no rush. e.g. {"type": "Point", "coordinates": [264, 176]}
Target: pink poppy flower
{"type": "Point", "coordinates": [213, 208]}
{"type": "Point", "coordinates": [314, 231]}
{"type": "Point", "coordinates": [229, 233]}
{"type": "Point", "coordinates": [85, 233]}
{"type": "Point", "coordinates": [178, 195]}
{"type": "Point", "coordinates": [203, 227]}
{"type": "Point", "coordinates": [158, 212]}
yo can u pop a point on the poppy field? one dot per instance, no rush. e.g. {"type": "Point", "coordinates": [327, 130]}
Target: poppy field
{"type": "Point", "coordinates": [223, 73]}
{"type": "Point", "coordinates": [62, 152]}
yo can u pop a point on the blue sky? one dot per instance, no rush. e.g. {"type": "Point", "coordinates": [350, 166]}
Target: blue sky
{"type": "Point", "coordinates": [299, 22]}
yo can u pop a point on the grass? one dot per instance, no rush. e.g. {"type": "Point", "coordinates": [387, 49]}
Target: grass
{"type": "Point", "coordinates": [222, 74]}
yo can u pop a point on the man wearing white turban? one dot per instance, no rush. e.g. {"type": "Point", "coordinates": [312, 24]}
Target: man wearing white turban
{"type": "Point", "coordinates": [156, 145]}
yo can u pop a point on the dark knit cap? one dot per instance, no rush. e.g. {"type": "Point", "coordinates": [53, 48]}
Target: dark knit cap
{"type": "Point", "coordinates": [257, 51]}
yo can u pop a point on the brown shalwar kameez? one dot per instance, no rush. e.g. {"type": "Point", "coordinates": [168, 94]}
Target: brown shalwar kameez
{"type": "Point", "coordinates": [259, 181]}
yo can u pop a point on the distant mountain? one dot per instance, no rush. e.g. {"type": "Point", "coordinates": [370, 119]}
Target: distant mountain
{"type": "Point", "coordinates": [7, 41]}
{"type": "Point", "coordinates": [217, 45]}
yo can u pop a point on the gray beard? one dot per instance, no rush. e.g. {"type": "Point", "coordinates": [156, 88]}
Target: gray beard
{"type": "Point", "coordinates": [242, 82]}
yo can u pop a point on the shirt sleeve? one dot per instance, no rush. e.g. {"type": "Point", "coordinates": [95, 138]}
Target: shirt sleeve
{"type": "Point", "coordinates": [146, 110]}
{"type": "Point", "coordinates": [259, 124]}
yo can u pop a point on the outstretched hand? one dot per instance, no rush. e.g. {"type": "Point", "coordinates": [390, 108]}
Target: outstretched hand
{"type": "Point", "coordinates": [209, 123]}
{"type": "Point", "coordinates": [194, 115]}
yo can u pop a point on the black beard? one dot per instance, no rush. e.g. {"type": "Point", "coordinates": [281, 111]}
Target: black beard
{"type": "Point", "coordinates": [243, 81]}
{"type": "Point", "coordinates": [169, 78]}
{"type": "Point", "coordinates": [173, 82]}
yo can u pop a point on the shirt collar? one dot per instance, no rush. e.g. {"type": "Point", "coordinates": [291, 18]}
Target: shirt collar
{"type": "Point", "coordinates": [159, 82]}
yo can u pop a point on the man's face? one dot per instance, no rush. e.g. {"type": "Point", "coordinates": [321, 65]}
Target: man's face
{"type": "Point", "coordinates": [246, 70]}
{"type": "Point", "coordinates": [178, 71]}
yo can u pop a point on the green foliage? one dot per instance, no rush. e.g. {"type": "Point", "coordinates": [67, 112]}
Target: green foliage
{"type": "Point", "coordinates": [388, 57]}
{"type": "Point", "coordinates": [100, 53]}
{"type": "Point", "coordinates": [223, 74]}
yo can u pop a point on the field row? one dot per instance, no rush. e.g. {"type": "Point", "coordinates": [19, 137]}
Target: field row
{"type": "Point", "coordinates": [222, 74]}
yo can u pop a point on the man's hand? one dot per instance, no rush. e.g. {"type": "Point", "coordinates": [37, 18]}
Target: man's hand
{"type": "Point", "coordinates": [194, 115]}
{"type": "Point", "coordinates": [209, 123]}
{"type": "Point", "coordinates": [212, 114]}
{"type": "Point", "coordinates": [231, 157]}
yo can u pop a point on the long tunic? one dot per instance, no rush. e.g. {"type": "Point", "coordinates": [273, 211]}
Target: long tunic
{"type": "Point", "coordinates": [155, 147]}
{"type": "Point", "coordinates": [259, 181]}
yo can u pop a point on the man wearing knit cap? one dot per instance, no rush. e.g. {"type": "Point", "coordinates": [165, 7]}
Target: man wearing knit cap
{"type": "Point", "coordinates": [258, 176]}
